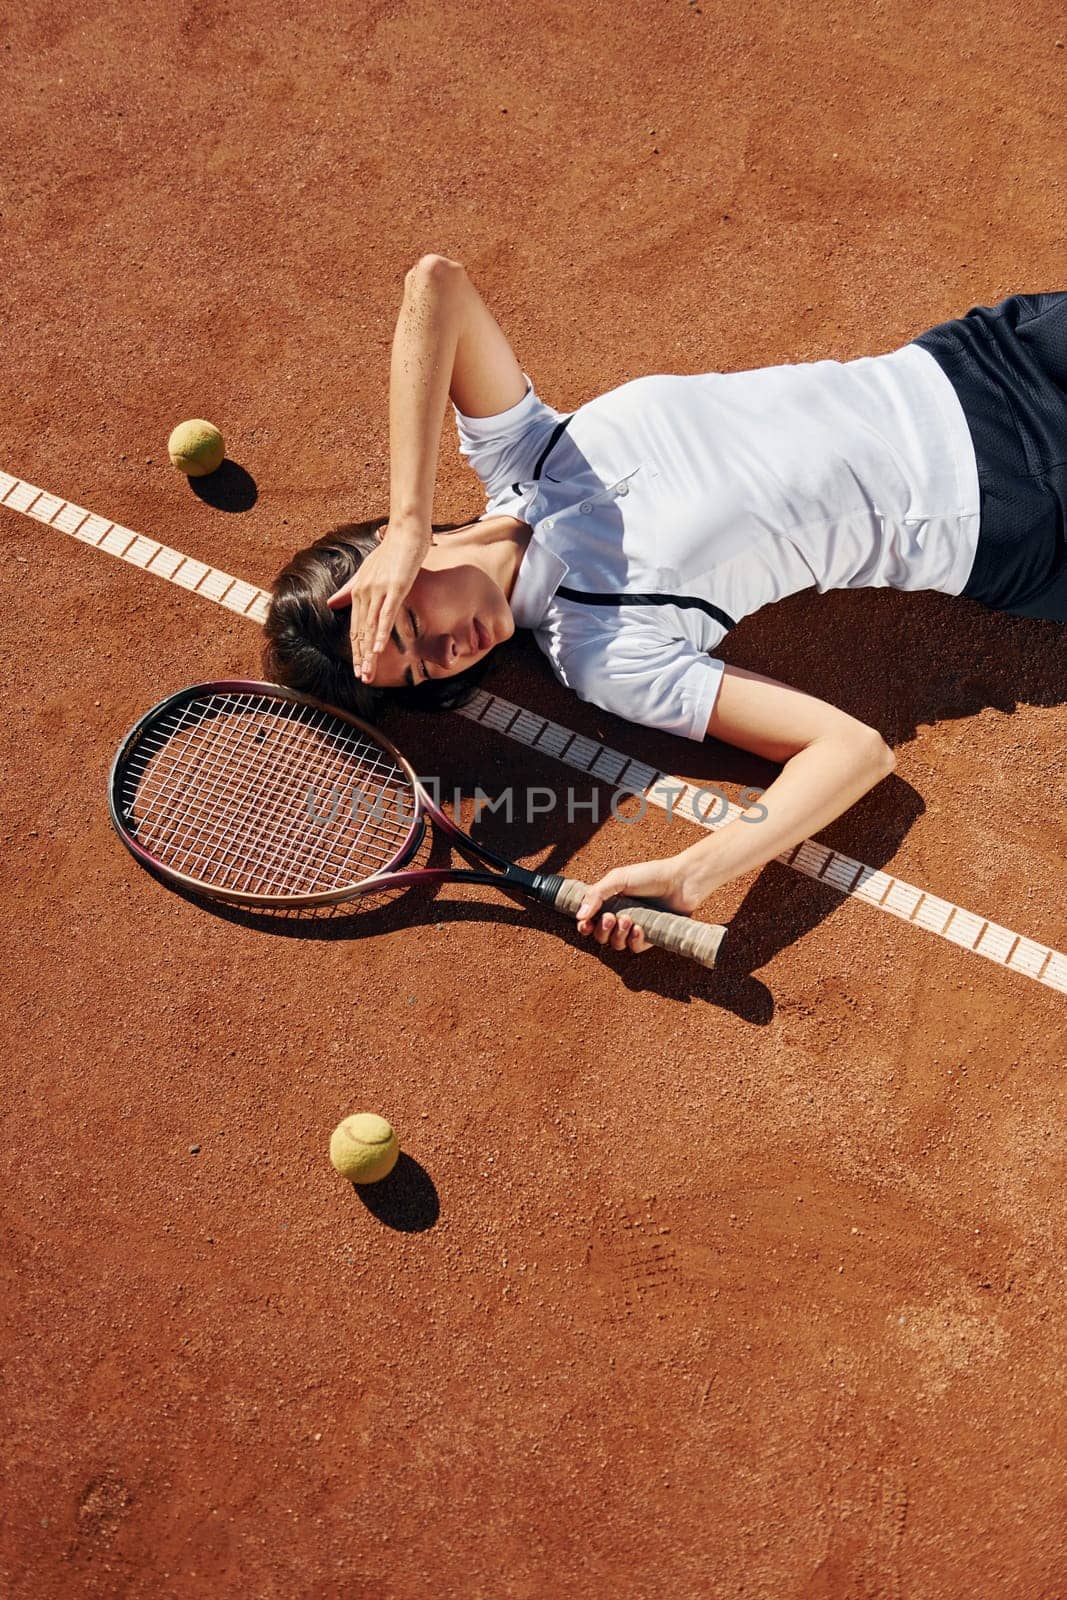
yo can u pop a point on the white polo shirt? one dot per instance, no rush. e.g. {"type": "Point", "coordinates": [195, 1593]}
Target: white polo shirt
{"type": "Point", "coordinates": [682, 504]}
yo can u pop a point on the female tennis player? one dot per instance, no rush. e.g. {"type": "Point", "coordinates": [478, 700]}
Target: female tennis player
{"type": "Point", "coordinates": [633, 533]}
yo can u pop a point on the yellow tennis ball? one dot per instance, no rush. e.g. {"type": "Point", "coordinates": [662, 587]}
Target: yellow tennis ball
{"type": "Point", "coordinates": [364, 1148]}
{"type": "Point", "coordinates": [196, 448]}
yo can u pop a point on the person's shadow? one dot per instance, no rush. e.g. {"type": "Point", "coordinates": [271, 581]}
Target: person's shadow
{"type": "Point", "coordinates": [893, 660]}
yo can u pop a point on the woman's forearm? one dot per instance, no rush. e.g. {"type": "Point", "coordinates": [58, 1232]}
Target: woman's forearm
{"type": "Point", "coordinates": [424, 353]}
{"type": "Point", "coordinates": [815, 786]}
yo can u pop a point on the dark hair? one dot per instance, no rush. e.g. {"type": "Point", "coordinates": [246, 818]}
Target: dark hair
{"type": "Point", "coordinates": [308, 647]}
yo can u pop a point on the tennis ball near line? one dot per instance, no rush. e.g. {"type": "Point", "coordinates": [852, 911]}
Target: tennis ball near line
{"type": "Point", "coordinates": [364, 1148]}
{"type": "Point", "coordinates": [196, 448]}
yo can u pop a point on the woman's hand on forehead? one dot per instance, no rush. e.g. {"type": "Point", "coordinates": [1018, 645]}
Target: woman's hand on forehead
{"type": "Point", "coordinates": [379, 589]}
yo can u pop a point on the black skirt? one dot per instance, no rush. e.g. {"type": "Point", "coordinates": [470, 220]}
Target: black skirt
{"type": "Point", "coordinates": [1008, 365]}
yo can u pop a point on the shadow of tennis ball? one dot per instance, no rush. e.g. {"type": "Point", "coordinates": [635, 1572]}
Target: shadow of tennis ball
{"type": "Point", "coordinates": [228, 488]}
{"type": "Point", "coordinates": [406, 1200]}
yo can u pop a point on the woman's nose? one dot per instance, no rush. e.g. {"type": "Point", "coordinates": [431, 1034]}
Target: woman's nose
{"type": "Point", "coordinates": [448, 650]}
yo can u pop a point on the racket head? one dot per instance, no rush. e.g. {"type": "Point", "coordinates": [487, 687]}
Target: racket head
{"type": "Point", "coordinates": [225, 788]}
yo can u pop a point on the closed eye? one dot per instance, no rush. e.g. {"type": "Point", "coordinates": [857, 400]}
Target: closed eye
{"type": "Point", "coordinates": [415, 633]}
{"type": "Point", "coordinates": [401, 645]}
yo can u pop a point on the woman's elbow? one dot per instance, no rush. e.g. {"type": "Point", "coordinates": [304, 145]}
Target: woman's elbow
{"type": "Point", "coordinates": [434, 267]}
{"type": "Point", "coordinates": [857, 750]}
{"type": "Point", "coordinates": [875, 752]}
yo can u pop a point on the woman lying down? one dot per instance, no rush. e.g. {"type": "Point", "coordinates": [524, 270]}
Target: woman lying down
{"type": "Point", "coordinates": [632, 534]}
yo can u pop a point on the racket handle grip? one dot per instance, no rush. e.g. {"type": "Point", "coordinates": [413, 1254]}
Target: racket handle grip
{"type": "Point", "coordinates": [667, 930]}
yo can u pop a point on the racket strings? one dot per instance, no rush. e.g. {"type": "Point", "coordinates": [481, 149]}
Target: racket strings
{"type": "Point", "coordinates": [268, 834]}
{"type": "Point", "coordinates": [276, 803]}
{"type": "Point", "coordinates": [184, 801]}
{"type": "Point", "coordinates": [212, 835]}
{"type": "Point", "coordinates": [265, 796]}
{"type": "Point", "coordinates": [273, 808]}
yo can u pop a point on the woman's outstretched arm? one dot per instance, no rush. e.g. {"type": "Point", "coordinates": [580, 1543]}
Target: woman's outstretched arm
{"type": "Point", "coordinates": [424, 347]}
{"type": "Point", "coordinates": [446, 343]}
{"type": "Point", "coordinates": [830, 761]}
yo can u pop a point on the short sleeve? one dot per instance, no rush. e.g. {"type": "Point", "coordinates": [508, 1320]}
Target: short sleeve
{"type": "Point", "coordinates": [503, 450]}
{"type": "Point", "coordinates": [646, 677]}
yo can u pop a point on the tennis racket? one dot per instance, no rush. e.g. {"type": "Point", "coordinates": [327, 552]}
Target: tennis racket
{"type": "Point", "coordinates": [259, 796]}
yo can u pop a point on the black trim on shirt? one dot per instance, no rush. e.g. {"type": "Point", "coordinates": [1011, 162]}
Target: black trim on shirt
{"type": "Point", "coordinates": [683, 600]}
{"type": "Point", "coordinates": [552, 438]}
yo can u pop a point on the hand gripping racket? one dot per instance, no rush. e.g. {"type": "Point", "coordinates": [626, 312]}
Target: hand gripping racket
{"type": "Point", "coordinates": [259, 796]}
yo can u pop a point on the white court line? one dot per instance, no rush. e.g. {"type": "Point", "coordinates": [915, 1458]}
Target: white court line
{"type": "Point", "coordinates": [843, 873]}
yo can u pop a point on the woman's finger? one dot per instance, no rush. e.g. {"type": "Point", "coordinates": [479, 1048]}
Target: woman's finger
{"type": "Point", "coordinates": [368, 623]}
{"type": "Point", "coordinates": [387, 614]}
{"type": "Point", "coordinates": [591, 904]}
{"type": "Point", "coordinates": [634, 940]}
{"type": "Point", "coordinates": [379, 636]}
{"type": "Point", "coordinates": [355, 634]}
{"type": "Point", "coordinates": [622, 933]}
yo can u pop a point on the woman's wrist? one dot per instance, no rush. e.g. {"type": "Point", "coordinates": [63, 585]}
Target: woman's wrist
{"type": "Point", "coordinates": [699, 873]}
{"type": "Point", "coordinates": [408, 529]}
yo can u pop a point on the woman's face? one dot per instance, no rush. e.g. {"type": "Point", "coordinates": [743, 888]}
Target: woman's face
{"type": "Point", "coordinates": [452, 618]}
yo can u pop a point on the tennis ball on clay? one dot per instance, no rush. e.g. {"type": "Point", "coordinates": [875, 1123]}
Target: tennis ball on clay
{"type": "Point", "coordinates": [364, 1148]}
{"type": "Point", "coordinates": [196, 448]}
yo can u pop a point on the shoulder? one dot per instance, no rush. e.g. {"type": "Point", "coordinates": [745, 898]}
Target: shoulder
{"type": "Point", "coordinates": [505, 448]}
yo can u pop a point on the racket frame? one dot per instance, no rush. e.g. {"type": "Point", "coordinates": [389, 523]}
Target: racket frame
{"type": "Point", "coordinates": [507, 875]}
{"type": "Point", "coordinates": [670, 931]}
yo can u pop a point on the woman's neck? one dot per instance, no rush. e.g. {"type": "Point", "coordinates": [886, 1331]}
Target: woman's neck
{"type": "Point", "coordinates": [495, 544]}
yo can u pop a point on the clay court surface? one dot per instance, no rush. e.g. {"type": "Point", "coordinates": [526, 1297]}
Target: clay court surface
{"type": "Point", "coordinates": [744, 1283]}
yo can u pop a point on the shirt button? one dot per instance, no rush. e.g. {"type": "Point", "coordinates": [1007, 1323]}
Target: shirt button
{"type": "Point", "coordinates": [586, 506]}
{"type": "Point", "coordinates": [622, 488]}
{"type": "Point", "coordinates": [547, 526]}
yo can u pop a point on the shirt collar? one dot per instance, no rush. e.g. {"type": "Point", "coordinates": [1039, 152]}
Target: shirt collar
{"type": "Point", "coordinates": [540, 575]}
